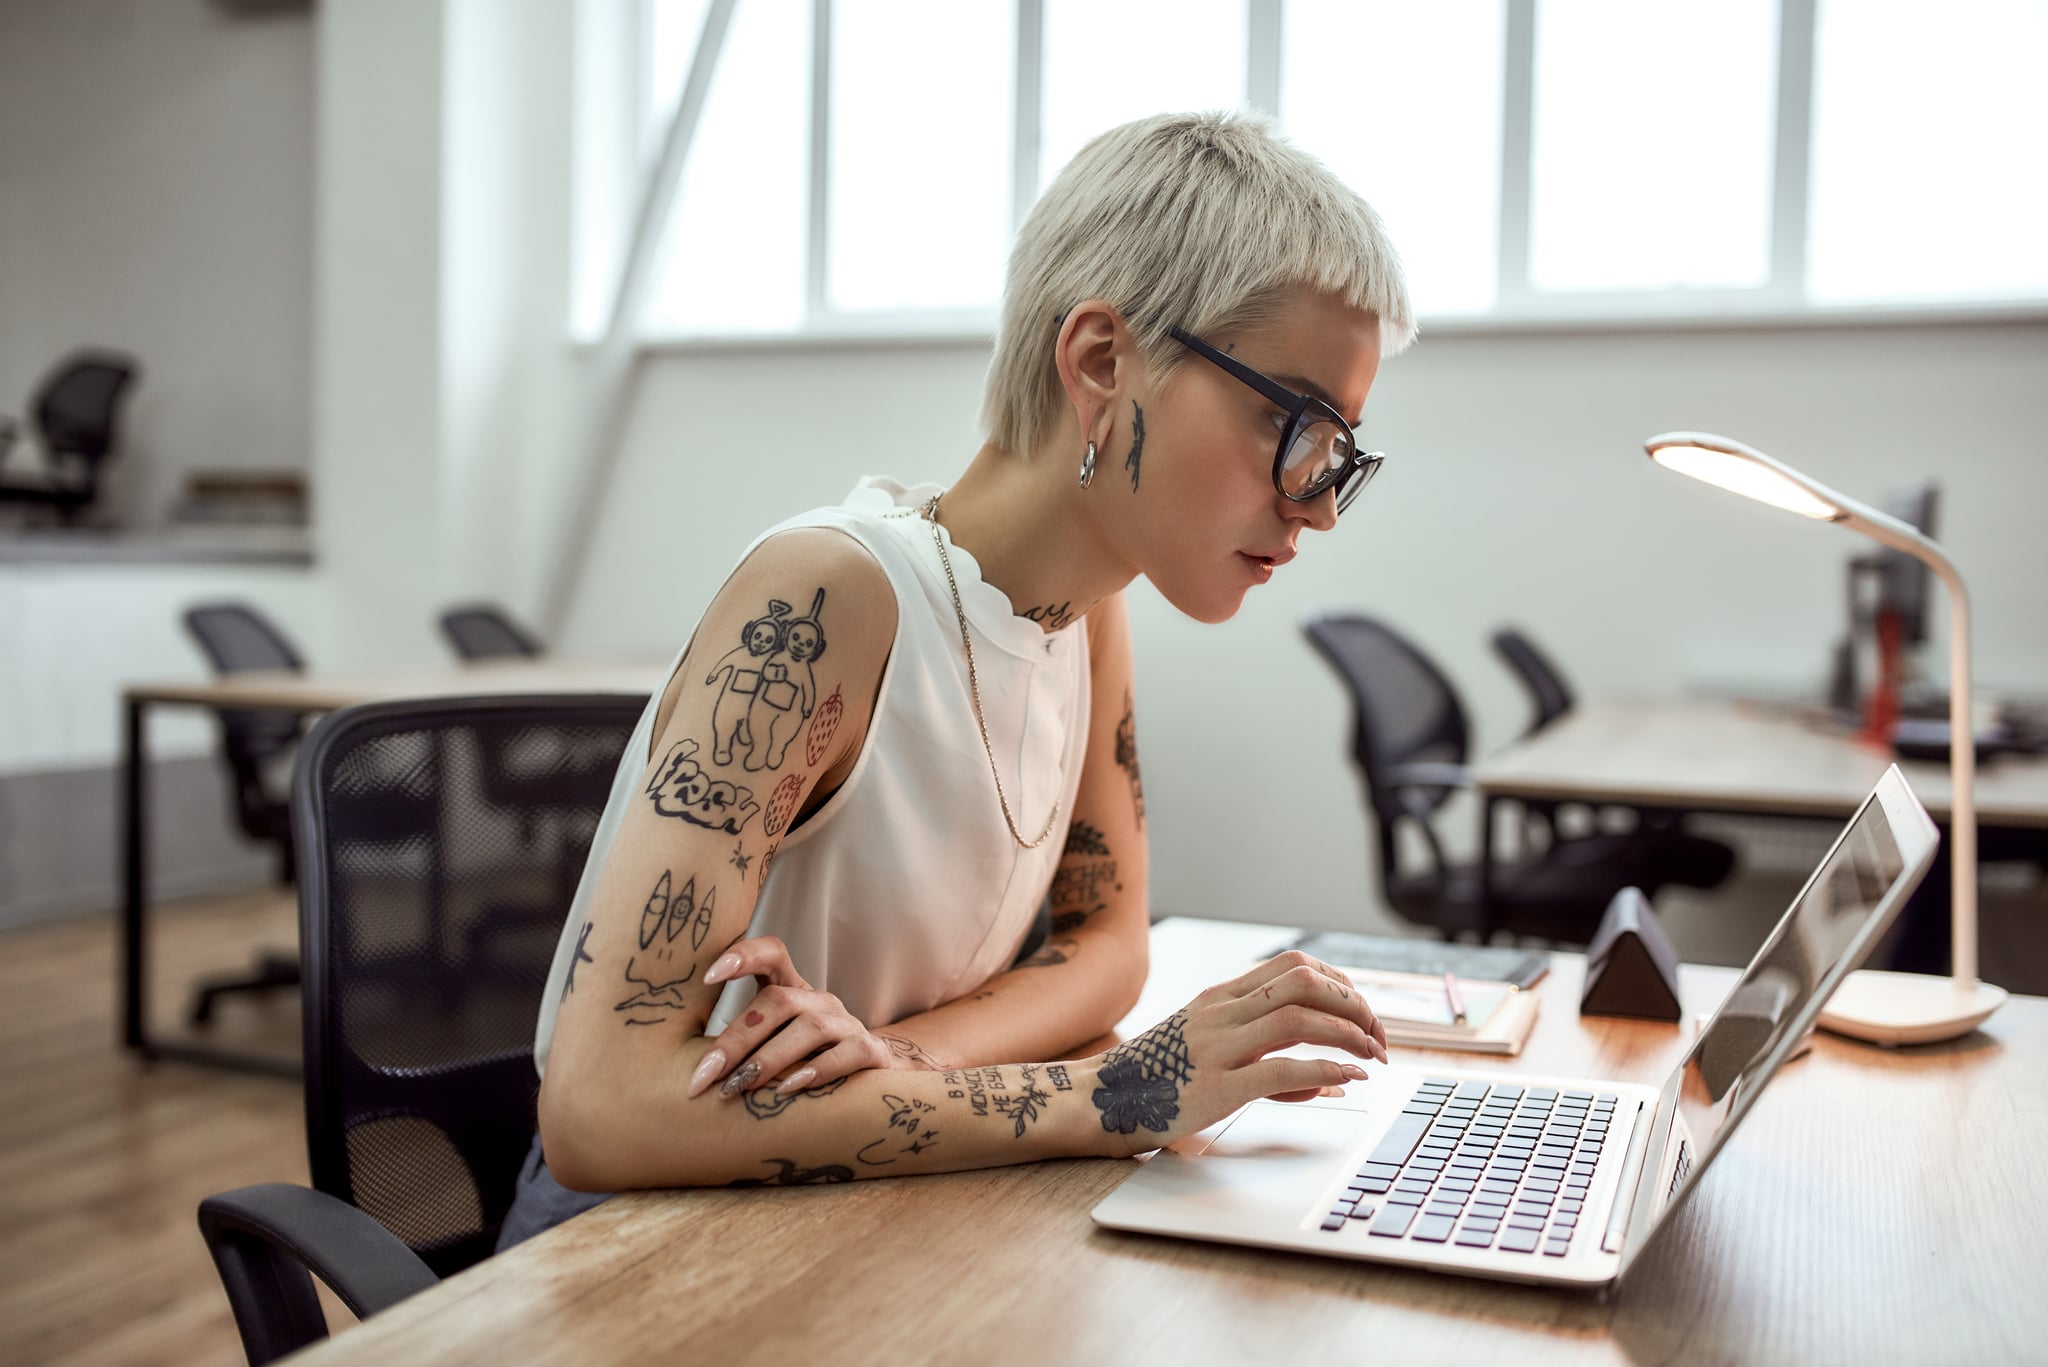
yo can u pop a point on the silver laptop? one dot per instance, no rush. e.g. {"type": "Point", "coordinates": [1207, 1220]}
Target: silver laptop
{"type": "Point", "coordinates": [1539, 1179]}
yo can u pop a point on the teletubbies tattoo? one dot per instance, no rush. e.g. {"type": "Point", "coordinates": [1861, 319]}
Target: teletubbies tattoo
{"type": "Point", "coordinates": [680, 787]}
{"type": "Point", "coordinates": [788, 690]}
{"type": "Point", "coordinates": [741, 668]}
{"type": "Point", "coordinates": [653, 972]}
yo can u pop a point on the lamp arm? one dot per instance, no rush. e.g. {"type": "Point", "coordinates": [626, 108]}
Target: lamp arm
{"type": "Point", "coordinates": [1962, 733]}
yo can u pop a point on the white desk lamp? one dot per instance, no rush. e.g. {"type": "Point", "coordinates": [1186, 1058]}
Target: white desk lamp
{"type": "Point", "coordinates": [1889, 1008]}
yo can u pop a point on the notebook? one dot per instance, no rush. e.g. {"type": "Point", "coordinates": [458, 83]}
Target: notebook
{"type": "Point", "coordinates": [1517, 1176]}
{"type": "Point", "coordinates": [1496, 963]}
{"type": "Point", "coordinates": [1417, 1012]}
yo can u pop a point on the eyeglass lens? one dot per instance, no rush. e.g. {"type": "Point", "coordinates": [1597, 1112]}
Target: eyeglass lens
{"type": "Point", "coordinates": [1319, 454]}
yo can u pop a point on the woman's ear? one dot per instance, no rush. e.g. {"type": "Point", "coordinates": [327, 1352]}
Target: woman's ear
{"type": "Point", "coordinates": [1094, 355]}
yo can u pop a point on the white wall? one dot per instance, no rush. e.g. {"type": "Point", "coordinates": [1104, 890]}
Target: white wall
{"type": "Point", "coordinates": [156, 159]}
{"type": "Point", "coordinates": [1515, 491]}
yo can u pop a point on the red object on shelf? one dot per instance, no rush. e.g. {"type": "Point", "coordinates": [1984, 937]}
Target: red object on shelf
{"type": "Point", "coordinates": [1881, 709]}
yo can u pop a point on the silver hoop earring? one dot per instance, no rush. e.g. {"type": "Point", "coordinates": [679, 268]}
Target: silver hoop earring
{"type": "Point", "coordinates": [1088, 466]}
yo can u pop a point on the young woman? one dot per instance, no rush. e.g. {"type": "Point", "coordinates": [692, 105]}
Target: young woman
{"type": "Point", "coordinates": [916, 710]}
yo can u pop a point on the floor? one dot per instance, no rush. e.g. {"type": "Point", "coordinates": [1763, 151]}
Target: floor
{"type": "Point", "coordinates": [103, 1161]}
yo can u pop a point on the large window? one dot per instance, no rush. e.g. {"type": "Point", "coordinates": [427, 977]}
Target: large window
{"type": "Point", "coordinates": [859, 165]}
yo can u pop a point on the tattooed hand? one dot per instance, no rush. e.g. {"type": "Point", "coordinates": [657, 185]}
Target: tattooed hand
{"type": "Point", "coordinates": [788, 1028]}
{"type": "Point", "coordinates": [1208, 1059]}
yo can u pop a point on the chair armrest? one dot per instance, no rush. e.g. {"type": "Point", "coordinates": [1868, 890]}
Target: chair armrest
{"type": "Point", "coordinates": [1430, 776]}
{"type": "Point", "coordinates": [265, 1239]}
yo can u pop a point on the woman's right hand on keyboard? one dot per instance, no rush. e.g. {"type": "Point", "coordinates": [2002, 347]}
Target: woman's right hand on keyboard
{"type": "Point", "coordinates": [1212, 1056]}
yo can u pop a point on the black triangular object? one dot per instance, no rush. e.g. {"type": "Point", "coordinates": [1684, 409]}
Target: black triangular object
{"type": "Point", "coordinates": [1631, 969]}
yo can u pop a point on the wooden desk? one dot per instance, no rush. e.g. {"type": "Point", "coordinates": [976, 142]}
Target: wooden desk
{"type": "Point", "coordinates": [306, 694]}
{"type": "Point", "coordinates": [1699, 756]}
{"type": "Point", "coordinates": [1725, 757]}
{"type": "Point", "coordinates": [1876, 1207]}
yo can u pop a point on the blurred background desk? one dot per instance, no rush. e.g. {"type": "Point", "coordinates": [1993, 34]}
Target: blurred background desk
{"type": "Point", "coordinates": [304, 695]}
{"type": "Point", "coordinates": [1931, 1254]}
{"type": "Point", "coordinates": [1721, 757]}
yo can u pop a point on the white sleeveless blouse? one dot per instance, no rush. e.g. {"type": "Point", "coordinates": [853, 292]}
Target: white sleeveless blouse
{"type": "Point", "coordinates": [905, 890]}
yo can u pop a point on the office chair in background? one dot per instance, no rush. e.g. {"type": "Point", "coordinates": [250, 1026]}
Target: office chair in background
{"type": "Point", "coordinates": [428, 926]}
{"type": "Point", "coordinates": [1671, 854]}
{"type": "Point", "coordinates": [76, 413]}
{"type": "Point", "coordinates": [484, 631]}
{"type": "Point", "coordinates": [1410, 739]}
{"type": "Point", "coordinates": [238, 640]}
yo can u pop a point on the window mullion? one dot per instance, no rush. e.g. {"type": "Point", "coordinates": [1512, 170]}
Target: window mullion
{"type": "Point", "coordinates": [1263, 21]}
{"type": "Point", "coordinates": [1517, 151]}
{"type": "Point", "coordinates": [1793, 163]}
{"type": "Point", "coordinates": [816, 299]}
{"type": "Point", "coordinates": [1028, 127]}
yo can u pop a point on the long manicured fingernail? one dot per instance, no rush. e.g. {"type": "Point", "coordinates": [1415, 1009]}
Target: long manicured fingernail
{"type": "Point", "coordinates": [1355, 1073]}
{"type": "Point", "coordinates": [743, 1077]}
{"type": "Point", "coordinates": [710, 1068]}
{"type": "Point", "coordinates": [797, 1081]}
{"type": "Point", "coordinates": [722, 968]}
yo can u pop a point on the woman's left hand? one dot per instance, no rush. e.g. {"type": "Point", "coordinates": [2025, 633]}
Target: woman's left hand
{"type": "Point", "coordinates": [782, 1028]}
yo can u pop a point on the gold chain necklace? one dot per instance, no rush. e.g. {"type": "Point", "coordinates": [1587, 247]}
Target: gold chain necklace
{"type": "Point", "coordinates": [931, 515]}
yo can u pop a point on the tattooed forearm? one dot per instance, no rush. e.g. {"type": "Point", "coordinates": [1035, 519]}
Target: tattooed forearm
{"type": "Point", "coordinates": [1140, 1080]}
{"type": "Point", "coordinates": [763, 1103]}
{"type": "Point", "coordinates": [1050, 617]}
{"type": "Point", "coordinates": [790, 1175]}
{"type": "Point", "coordinates": [1127, 756]}
{"type": "Point", "coordinates": [910, 1051]}
{"type": "Point", "coordinates": [740, 858]}
{"type": "Point", "coordinates": [1021, 1105]}
{"type": "Point", "coordinates": [1057, 951]}
{"type": "Point", "coordinates": [1137, 443]}
{"type": "Point", "coordinates": [911, 1131]}
{"type": "Point", "coordinates": [1057, 1073]}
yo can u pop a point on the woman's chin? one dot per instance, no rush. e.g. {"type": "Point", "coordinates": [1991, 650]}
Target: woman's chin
{"type": "Point", "coordinates": [1208, 604]}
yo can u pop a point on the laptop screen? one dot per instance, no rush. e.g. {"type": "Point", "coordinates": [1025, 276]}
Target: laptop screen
{"type": "Point", "coordinates": [1841, 910]}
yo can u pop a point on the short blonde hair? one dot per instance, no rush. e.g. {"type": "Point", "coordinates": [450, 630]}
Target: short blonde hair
{"type": "Point", "coordinates": [1197, 221]}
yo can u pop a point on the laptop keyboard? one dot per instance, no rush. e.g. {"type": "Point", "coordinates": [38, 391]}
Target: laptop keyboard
{"type": "Point", "coordinates": [1482, 1166]}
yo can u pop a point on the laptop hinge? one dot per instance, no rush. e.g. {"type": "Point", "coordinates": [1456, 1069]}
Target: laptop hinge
{"type": "Point", "coordinates": [1624, 1190]}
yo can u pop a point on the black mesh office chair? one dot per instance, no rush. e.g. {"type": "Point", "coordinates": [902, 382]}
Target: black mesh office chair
{"type": "Point", "coordinates": [483, 631]}
{"type": "Point", "coordinates": [76, 415]}
{"type": "Point", "coordinates": [1410, 739]}
{"type": "Point", "coordinates": [1672, 854]}
{"type": "Point", "coordinates": [237, 639]}
{"type": "Point", "coordinates": [425, 957]}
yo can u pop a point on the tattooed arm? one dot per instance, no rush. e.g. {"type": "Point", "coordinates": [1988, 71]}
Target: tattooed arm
{"type": "Point", "coordinates": [1189, 1071]}
{"type": "Point", "coordinates": [1091, 968]}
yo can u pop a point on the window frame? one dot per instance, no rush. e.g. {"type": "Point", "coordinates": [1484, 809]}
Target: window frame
{"type": "Point", "coordinates": [1518, 308]}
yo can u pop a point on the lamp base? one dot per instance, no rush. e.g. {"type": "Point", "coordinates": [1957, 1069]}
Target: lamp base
{"type": "Point", "coordinates": [1908, 1008]}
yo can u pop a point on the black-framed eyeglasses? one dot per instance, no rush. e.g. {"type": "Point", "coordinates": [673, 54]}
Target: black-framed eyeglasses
{"type": "Point", "coordinates": [1318, 450]}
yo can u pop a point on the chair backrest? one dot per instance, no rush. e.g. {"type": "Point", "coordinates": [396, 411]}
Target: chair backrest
{"type": "Point", "coordinates": [1404, 711]}
{"type": "Point", "coordinates": [79, 402]}
{"type": "Point", "coordinates": [237, 639]}
{"type": "Point", "coordinates": [483, 631]}
{"type": "Point", "coordinates": [428, 915]}
{"type": "Point", "coordinates": [1547, 689]}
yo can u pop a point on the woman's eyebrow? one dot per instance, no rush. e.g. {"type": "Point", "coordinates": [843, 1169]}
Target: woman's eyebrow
{"type": "Point", "coordinates": [1305, 385]}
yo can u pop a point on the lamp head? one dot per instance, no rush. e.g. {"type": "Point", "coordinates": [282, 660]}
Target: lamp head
{"type": "Point", "coordinates": [1728, 464]}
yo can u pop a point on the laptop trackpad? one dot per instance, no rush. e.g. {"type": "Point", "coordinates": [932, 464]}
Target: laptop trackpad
{"type": "Point", "coordinates": [1280, 1132]}
{"type": "Point", "coordinates": [1283, 1158]}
